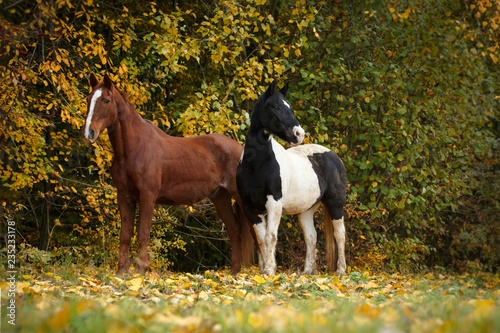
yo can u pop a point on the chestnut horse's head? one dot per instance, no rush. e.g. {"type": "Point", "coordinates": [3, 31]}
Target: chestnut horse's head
{"type": "Point", "coordinates": [101, 108]}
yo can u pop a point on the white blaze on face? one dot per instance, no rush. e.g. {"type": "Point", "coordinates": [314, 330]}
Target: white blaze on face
{"type": "Point", "coordinates": [96, 96]}
{"type": "Point", "coordinates": [286, 104]}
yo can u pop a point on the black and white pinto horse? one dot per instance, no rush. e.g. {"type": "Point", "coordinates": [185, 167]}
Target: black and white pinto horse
{"type": "Point", "coordinates": [273, 181]}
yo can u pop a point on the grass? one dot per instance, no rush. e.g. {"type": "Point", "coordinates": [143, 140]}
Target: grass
{"type": "Point", "coordinates": [72, 298]}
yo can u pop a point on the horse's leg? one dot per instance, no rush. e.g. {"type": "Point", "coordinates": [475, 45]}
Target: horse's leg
{"type": "Point", "coordinates": [146, 208]}
{"type": "Point", "coordinates": [339, 232]}
{"type": "Point", "coordinates": [127, 213]}
{"type": "Point", "coordinates": [274, 211]}
{"type": "Point", "coordinates": [260, 233]}
{"type": "Point", "coordinates": [222, 203]}
{"type": "Point", "coordinates": [306, 220]}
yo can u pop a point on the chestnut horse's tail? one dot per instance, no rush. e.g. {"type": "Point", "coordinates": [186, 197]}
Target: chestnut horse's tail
{"type": "Point", "coordinates": [331, 244]}
{"type": "Point", "coordinates": [247, 238]}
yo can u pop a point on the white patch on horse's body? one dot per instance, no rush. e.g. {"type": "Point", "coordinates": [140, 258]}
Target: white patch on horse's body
{"type": "Point", "coordinates": [309, 150]}
{"type": "Point", "coordinates": [301, 192]}
{"type": "Point", "coordinates": [299, 182]}
{"type": "Point", "coordinates": [96, 96]}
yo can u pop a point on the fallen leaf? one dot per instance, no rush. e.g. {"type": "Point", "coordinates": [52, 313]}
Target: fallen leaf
{"type": "Point", "coordinates": [203, 295]}
{"type": "Point", "coordinates": [135, 284]}
{"type": "Point", "coordinates": [259, 279]}
{"type": "Point", "coordinates": [60, 319]}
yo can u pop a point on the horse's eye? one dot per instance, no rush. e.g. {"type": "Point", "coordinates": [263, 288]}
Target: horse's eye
{"type": "Point", "coordinates": [106, 101]}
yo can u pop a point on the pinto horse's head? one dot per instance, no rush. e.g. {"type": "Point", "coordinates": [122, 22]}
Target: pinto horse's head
{"type": "Point", "coordinates": [275, 115]}
{"type": "Point", "coordinates": [101, 108]}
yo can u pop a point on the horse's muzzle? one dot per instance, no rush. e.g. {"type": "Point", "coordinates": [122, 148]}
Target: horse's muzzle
{"type": "Point", "coordinates": [90, 135]}
{"type": "Point", "coordinates": [299, 134]}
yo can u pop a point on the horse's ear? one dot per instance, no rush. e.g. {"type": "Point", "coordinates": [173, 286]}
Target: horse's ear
{"type": "Point", "coordinates": [284, 90]}
{"type": "Point", "coordinates": [107, 82]}
{"type": "Point", "coordinates": [270, 90]}
{"type": "Point", "coordinates": [93, 80]}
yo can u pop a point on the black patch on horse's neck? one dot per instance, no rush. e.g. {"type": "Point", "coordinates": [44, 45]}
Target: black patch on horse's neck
{"type": "Point", "coordinates": [258, 174]}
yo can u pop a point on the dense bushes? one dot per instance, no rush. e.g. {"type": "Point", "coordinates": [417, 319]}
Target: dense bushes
{"type": "Point", "coordinates": [405, 92]}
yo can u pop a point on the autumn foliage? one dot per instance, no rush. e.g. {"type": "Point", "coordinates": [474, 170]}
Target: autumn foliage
{"type": "Point", "coordinates": [406, 93]}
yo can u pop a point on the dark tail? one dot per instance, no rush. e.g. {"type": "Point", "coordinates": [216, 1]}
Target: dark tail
{"type": "Point", "coordinates": [247, 238]}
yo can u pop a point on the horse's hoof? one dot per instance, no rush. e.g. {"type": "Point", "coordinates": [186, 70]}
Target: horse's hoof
{"type": "Point", "coordinates": [268, 272]}
{"type": "Point", "coordinates": [141, 266]}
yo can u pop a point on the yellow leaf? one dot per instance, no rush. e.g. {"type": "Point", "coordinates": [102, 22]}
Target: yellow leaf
{"type": "Point", "coordinates": [494, 58]}
{"type": "Point", "coordinates": [250, 296]}
{"type": "Point", "coordinates": [22, 285]}
{"type": "Point", "coordinates": [406, 13]}
{"type": "Point", "coordinates": [203, 295]}
{"type": "Point", "coordinates": [84, 305]}
{"type": "Point", "coordinates": [135, 284]}
{"type": "Point", "coordinates": [259, 279]}
{"type": "Point", "coordinates": [368, 311]}
{"type": "Point", "coordinates": [371, 285]}
{"type": "Point", "coordinates": [484, 308]}
{"type": "Point", "coordinates": [59, 320]}
{"type": "Point", "coordinates": [134, 292]}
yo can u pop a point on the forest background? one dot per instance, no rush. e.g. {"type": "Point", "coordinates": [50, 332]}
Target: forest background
{"type": "Point", "coordinates": [406, 92]}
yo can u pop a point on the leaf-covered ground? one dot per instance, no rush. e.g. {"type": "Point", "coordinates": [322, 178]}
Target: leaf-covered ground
{"type": "Point", "coordinates": [99, 301]}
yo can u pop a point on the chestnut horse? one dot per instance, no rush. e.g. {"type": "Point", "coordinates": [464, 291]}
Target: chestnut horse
{"type": "Point", "coordinates": [150, 167]}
